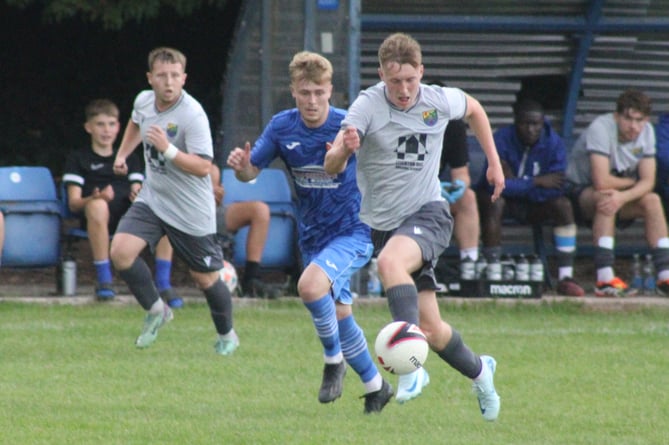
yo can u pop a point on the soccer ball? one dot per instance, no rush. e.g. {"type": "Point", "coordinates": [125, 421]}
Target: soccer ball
{"type": "Point", "coordinates": [229, 276]}
{"type": "Point", "coordinates": [401, 347]}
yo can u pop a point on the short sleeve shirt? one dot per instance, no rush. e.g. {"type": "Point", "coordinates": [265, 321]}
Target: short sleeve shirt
{"type": "Point", "coordinates": [601, 137]}
{"type": "Point", "coordinates": [398, 160]}
{"type": "Point", "coordinates": [183, 200]}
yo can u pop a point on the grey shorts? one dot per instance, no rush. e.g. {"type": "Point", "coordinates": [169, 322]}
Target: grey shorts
{"type": "Point", "coordinates": [431, 227]}
{"type": "Point", "coordinates": [201, 253]}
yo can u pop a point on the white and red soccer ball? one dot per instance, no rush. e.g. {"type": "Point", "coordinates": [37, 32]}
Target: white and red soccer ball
{"type": "Point", "coordinates": [401, 347]}
{"type": "Point", "coordinates": [229, 276]}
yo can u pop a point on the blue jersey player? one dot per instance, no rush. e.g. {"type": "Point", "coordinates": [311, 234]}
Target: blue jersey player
{"type": "Point", "coordinates": [333, 241]}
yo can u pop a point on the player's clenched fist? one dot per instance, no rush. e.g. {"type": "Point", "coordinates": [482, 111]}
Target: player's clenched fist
{"type": "Point", "coordinates": [239, 158]}
{"type": "Point", "coordinates": [351, 139]}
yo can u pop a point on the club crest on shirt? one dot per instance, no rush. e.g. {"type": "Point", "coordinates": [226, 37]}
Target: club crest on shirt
{"type": "Point", "coordinates": [172, 129]}
{"type": "Point", "coordinates": [430, 117]}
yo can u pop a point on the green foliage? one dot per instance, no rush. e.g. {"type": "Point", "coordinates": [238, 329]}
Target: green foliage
{"type": "Point", "coordinates": [70, 374]}
{"type": "Point", "coordinates": [113, 15]}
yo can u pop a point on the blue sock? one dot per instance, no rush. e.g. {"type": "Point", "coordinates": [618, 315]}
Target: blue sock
{"type": "Point", "coordinates": [324, 316]}
{"type": "Point", "coordinates": [354, 348]}
{"type": "Point", "coordinates": [163, 272]}
{"type": "Point", "coordinates": [103, 269]}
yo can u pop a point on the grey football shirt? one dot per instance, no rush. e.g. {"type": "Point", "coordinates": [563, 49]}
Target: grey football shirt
{"type": "Point", "coordinates": [181, 199]}
{"type": "Point", "coordinates": [398, 160]}
{"type": "Point", "coordinates": [601, 137]}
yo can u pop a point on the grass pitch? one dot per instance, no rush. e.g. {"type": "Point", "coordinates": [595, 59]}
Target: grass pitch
{"type": "Point", "coordinates": [71, 375]}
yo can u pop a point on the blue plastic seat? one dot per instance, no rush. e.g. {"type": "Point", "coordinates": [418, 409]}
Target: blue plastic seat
{"type": "Point", "coordinates": [272, 187]}
{"type": "Point", "coordinates": [32, 211]}
{"type": "Point", "coordinates": [72, 234]}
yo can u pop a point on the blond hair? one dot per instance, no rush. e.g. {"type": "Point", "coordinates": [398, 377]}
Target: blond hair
{"type": "Point", "coordinates": [311, 67]}
{"type": "Point", "coordinates": [400, 48]}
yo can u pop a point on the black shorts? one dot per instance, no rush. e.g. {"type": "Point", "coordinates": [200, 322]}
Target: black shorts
{"type": "Point", "coordinates": [201, 253]}
{"type": "Point", "coordinates": [431, 227]}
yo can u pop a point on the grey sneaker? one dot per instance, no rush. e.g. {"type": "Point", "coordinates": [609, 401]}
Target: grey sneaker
{"type": "Point", "coordinates": [225, 346]}
{"type": "Point", "coordinates": [485, 390]}
{"type": "Point", "coordinates": [152, 323]}
{"type": "Point", "coordinates": [333, 382]}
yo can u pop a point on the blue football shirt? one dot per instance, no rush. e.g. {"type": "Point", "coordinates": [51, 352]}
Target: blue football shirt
{"type": "Point", "coordinates": [328, 205]}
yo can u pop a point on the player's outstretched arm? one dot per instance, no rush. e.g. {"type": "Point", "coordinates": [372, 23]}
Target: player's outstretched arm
{"type": "Point", "coordinates": [130, 141]}
{"type": "Point", "coordinates": [344, 145]}
{"type": "Point", "coordinates": [479, 123]}
{"type": "Point", "coordinates": [239, 160]}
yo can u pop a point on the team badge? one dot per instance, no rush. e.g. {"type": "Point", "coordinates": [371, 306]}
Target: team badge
{"type": "Point", "coordinates": [172, 130]}
{"type": "Point", "coordinates": [430, 117]}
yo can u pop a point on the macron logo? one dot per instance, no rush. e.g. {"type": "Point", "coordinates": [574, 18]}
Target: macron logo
{"type": "Point", "coordinates": [417, 230]}
{"type": "Point", "coordinates": [292, 145]}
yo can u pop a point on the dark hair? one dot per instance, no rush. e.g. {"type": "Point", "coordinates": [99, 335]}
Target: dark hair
{"type": "Point", "coordinates": [635, 100]}
{"type": "Point", "coordinates": [168, 55]}
{"type": "Point", "coordinates": [101, 106]}
{"type": "Point", "coordinates": [527, 105]}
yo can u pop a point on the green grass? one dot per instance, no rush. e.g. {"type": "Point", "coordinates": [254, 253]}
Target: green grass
{"type": "Point", "coordinates": [71, 375]}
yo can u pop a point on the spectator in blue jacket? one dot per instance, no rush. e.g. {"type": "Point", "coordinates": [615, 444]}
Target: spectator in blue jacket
{"type": "Point", "coordinates": [534, 160]}
{"type": "Point", "coordinates": [662, 157]}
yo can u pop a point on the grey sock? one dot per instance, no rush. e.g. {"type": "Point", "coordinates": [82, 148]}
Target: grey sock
{"type": "Point", "coordinates": [403, 303]}
{"type": "Point", "coordinates": [460, 357]}
{"type": "Point", "coordinates": [140, 282]}
{"type": "Point", "coordinates": [220, 304]}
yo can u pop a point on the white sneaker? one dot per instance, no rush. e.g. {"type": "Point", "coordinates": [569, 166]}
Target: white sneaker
{"type": "Point", "coordinates": [411, 385]}
{"type": "Point", "coordinates": [484, 388]}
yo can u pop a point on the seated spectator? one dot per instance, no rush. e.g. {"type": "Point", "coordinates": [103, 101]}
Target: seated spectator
{"type": "Point", "coordinates": [457, 190]}
{"type": "Point", "coordinates": [101, 197]}
{"type": "Point", "coordinates": [2, 234]}
{"type": "Point", "coordinates": [612, 168]}
{"type": "Point", "coordinates": [534, 161]}
{"type": "Point", "coordinates": [230, 219]}
{"type": "Point", "coordinates": [662, 158]}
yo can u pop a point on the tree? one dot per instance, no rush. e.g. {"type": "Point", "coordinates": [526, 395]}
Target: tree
{"type": "Point", "coordinates": [113, 15]}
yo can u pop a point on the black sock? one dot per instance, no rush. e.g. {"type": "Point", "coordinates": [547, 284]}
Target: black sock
{"type": "Point", "coordinates": [460, 357]}
{"type": "Point", "coordinates": [140, 282]}
{"type": "Point", "coordinates": [403, 303]}
{"type": "Point", "coordinates": [250, 272]}
{"type": "Point", "coordinates": [220, 305]}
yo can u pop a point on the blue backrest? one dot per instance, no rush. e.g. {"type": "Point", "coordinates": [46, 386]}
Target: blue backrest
{"type": "Point", "coordinates": [270, 186]}
{"type": "Point", "coordinates": [26, 184]}
{"type": "Point", "coordinates": [32, 211]}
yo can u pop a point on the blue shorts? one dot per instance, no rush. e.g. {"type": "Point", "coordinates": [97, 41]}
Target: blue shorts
{"type": "Point", "coordinates": [340, 259]}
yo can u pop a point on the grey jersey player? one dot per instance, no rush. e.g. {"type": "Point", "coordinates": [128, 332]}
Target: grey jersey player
{"type": "Point", "coordinates": [396, 130]}
{"type": "Point", "coordinates": [176, 199]}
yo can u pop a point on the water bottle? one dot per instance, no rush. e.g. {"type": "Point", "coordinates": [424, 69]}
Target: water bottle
{"type": "Point", "coordinates": [522, 268]}
{"type": "Point", "coordinates": [536, 269]}
{"type": "Point", "coordinates": [494, 271]}
{"type": "Point", "coordinates": [480, 268]}
{"type": "Point", "coordinates": [373, 282]}
{"type": "Point", "coordinates": [637, 277]}
{"type": "Point", "coordinates": [508, 268]}
{"type": "Point", "coordinates": [648, 275]}
{"type": "Point", "coordinates": [69, 276]}
{"type": "Point", "coordinates": [467, 269]}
